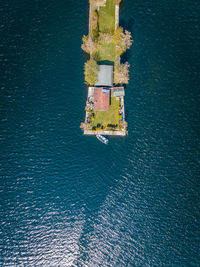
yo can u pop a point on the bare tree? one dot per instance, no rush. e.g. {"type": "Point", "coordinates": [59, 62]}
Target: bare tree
{"type": "Point", "coordinates": [122, 40]}
{"type": "Point", "coordinates": [127, 39]}
{"type": "Point", "coordinates": [88, 45]}
{"type": "Point", "coordinates": [121, 73]}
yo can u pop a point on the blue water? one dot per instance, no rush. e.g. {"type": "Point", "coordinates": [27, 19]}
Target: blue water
{"type": "Point", "coordinates": [69, 200]}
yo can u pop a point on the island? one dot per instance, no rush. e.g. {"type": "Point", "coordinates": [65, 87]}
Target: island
{"type": "Point", "coordinates": [105, 75]}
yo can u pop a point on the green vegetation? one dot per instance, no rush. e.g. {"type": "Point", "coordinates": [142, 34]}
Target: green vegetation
{"type": "Point", "coordinates": [94, 24]}
{"type": "Point", "coordinates": [105, 48]}
{"type": "Point", "coordinates": [105, 52]}
{"type": "Point", "coordinates": [111, 116]}
{"type": "Point", "coordinates": [91, 72]}
{"type": "Point", "coordinates": [105, 43]}
{"type": "Point", "coordinates": [107, 17]}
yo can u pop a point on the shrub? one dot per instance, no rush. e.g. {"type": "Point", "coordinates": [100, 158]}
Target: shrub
{"type": "Point", "coordinates": [94, 23]}
{"type": "Point", "coordinates": [91, 117]}
{"type": "Point", "coordinates": [95, 33]}
{"type": "Point", "coordinates": [91, 72]}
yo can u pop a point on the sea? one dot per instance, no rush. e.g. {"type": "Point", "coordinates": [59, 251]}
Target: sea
{"type": "Point", "coordinates": [69, 200]}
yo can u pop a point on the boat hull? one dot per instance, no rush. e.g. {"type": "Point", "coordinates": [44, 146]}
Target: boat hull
{"type": "Point", "coordinates": [102, 139]}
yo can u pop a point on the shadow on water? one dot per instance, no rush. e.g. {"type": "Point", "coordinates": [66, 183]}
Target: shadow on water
{"type": "Point", "coordinates": [126, 56]}
{"type": "Point", "coordinates": [126, 115]}
{"type": "Point", "coordinates": [127, 25]}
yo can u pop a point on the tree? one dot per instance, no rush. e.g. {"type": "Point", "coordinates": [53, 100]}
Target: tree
{"type": "Point", "coordinates": [127, 39]}
{"type": "Point", "coordinates": [122, 40]}
{"type": "Point", "coordinates": [91, 72]}
{"type": "Point", "coordinates": [88, 45]}
{"type": "Point", "coordinates": [121, 73]}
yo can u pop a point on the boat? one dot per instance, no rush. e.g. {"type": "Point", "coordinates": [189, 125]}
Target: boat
{"type": "Point", "coordinates": [102, 139]}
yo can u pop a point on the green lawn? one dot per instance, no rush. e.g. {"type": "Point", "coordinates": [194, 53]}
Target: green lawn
{"type": "Point", "coordinates": [107, 17]}
{"type": "Point", "coordinates": [108, 117]}
{"type": "Point", "coordinates": [105, 52]}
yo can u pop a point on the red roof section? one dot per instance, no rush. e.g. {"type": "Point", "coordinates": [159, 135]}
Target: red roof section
{"type": "Point", "coordinates": [101, 99]}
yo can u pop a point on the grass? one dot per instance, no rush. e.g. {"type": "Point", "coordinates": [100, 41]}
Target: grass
{"type": "Point", "coordinates": [106, 52]}
{"type": "Point", "coordinates": [107, 17]}
{"type": "Point", "coordinates": [108, 117]}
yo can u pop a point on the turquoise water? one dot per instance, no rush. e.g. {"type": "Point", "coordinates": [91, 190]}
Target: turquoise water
{"type": "Point", "coordinates": [69, 200]}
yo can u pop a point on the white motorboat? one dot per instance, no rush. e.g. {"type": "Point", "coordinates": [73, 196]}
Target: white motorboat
{"type": "Point", "coordinates": [102, 139]}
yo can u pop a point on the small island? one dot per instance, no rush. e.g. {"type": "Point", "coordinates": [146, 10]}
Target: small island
{"type": "Point", "coordinates": [105, 75]}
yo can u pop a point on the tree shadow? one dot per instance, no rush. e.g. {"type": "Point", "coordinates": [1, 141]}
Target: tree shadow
{"type": "Point", "coordinates": [126, 115]}
{"type": "Point", "coordinates": [127, 25]}
{"type": "Point", "coordinates": [126, 56]}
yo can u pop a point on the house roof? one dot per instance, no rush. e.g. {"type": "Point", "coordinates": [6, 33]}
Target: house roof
{"type": "Point", "coordinates": [101, 99]}
{"type": "Point", "coordinates": [100, 2]}
{"type": "Point", "coordinates": [118, 91]}
{"type": "Point", "coordinates": [105, 75]}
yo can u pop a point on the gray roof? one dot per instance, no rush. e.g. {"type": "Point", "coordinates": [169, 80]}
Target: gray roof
{"type": "Point", "coordinates": [118, 91]}
{"type": "Point", "coordinates": [105, 75]}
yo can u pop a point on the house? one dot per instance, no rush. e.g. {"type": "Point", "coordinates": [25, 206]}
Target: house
{"type": "Point", "coordinates": [105, 75]}
{"type": "Point", "coordinates": [102, 88]}
{"type": "Point", "coordinates": [101, 99]}
{"type": "Point", "coordinates": [118, 91]}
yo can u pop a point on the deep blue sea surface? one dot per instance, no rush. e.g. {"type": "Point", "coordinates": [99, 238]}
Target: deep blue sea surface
{"type": "Point", "coordinates": [69, 200]}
